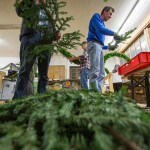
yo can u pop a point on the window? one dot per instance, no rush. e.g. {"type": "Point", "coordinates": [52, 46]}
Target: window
{"type": "Point", "coordinates": [132, 51]}
{"type": "Point", "coordinates": [121, 61]}
{"type": "Point", "coordinates": [128, 52]}
{"type": "Point", "coordinates": [75, 72]}
{"type": "Point", "coordinates": [143, 43]}
{"type": "Point", "coordinates": [137, 46]}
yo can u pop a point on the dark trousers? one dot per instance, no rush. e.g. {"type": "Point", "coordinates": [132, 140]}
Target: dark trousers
{"type": "Point", "coordinates": [25, 67]}
{"type": "Point", "coordinates": [117, 86]}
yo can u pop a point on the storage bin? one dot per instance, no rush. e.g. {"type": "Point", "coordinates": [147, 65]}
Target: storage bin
{"type": "Point", "coordinates": [139, 61]}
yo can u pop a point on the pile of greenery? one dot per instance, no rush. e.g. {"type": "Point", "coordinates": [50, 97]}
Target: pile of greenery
{"type": "Point", "coordinates": [74, 120]}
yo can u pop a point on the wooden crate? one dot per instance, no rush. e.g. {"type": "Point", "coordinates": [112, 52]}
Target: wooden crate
{"type": "Point", "coordinates": [56, 86]}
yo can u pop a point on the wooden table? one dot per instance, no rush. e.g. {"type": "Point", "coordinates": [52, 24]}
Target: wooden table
{"type": "Point", "coordinates": [137, 77]}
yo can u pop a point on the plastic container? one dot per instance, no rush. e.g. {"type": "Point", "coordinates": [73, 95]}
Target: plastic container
{"type": "Point", "coordinates": [139, 61]}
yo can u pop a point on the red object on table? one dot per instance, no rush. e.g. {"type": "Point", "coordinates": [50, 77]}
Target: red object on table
{"type": "Point", "coordinates": [139, 61]}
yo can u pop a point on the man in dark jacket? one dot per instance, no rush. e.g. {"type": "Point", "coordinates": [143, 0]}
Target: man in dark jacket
{"type": "Point", "coordinates": [28, 37]}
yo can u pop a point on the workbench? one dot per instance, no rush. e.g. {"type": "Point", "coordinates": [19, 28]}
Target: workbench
{"type": "Point", "coordinates": [137, 77]}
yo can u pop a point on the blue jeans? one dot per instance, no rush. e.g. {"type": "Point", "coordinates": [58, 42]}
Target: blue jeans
{"type": "Point", "coordinates": [84, 74]}
{"type": "Point", "coordinates": [25, 67]}
{"type": "Point", "coordinates": [96, 57]}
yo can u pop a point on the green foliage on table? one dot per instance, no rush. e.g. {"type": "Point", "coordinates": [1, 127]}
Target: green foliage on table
{"type": "Point", "coordinates": [73, 120]}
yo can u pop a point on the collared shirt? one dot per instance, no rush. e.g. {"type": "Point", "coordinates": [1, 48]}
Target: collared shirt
{"type": "Point", "coordinates": [84, 60]}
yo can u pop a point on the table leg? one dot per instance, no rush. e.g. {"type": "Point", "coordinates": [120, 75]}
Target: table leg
{"type": "Point", "coordinates": [132, 87]}
{"type": "Point", "coordinates": [147, 89]}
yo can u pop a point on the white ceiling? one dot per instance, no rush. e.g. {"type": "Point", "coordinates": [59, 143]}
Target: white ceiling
{"type": "Point", "coordinates": [82, 10]}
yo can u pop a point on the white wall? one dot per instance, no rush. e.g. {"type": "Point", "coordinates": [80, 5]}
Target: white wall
{"type": "Point", "coordinates": [111, 62]}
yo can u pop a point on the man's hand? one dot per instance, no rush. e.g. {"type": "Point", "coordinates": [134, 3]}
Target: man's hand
{"type": "Point", "coordinates": [72, 58]}
{"type": "Point", "coordinates": [112, 47]}
{"type": "Point", "coordinates": [57, 35]}
{"type": "Point", "coordinates": [117, 37]}
{"type": "Point", "coordinates": [78, 58]}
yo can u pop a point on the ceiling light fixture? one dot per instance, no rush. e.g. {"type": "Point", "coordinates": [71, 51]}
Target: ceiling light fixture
{"type": "Point", "coordinates": [133, 15]}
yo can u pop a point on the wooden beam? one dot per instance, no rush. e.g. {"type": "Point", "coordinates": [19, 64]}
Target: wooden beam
{"type": "Point", "coordinates": [9, 26]}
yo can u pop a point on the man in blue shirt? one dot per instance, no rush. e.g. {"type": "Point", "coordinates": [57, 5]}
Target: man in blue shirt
{"type": "Point", "coordinates": [95, 46]}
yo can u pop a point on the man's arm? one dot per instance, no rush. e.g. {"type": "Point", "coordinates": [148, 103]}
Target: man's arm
{"type": "Point", "coordinates": [105, 47]}
{"type": "Point", "coordinates": [72, 58]}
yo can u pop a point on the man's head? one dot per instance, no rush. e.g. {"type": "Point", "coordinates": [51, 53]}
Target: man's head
{"type": "Point", "coordinates": [84, 45]}
{"type": "Point", "coordinates": [107, 13]}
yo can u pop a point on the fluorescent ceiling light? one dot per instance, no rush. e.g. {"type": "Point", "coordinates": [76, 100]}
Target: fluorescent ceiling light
{"type": "Point", "coordinates": [133, 16]}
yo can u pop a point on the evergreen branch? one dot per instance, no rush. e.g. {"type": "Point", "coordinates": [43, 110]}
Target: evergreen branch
{"type": "Point", "coordinates": [123, 38]}
{"type": "Point", "coordinates": [130, 144]}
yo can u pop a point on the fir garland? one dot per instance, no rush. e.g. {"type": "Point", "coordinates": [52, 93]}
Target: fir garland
{"type": "Point", "coordinates": [67, 54]}
{"type": "Point", "coordinates": [112, 54]}
{"type": "Point", "coordinates": [77, 120]}
{"type": "Point", "coordinates": [107, 71]}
